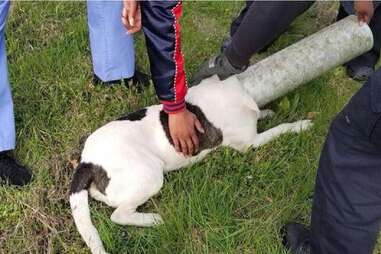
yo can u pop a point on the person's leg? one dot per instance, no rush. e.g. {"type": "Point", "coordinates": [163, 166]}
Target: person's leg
{"type": "Point", "coordinates": [362, 67]}
{"type": "Point", "coordinates": [10, 170]}
{"type": "Point", "coordinates": [112, 49]}
{"type": "Point", "coordinates": [7, 128]}
{"type": "Point", "coordinates": [346, 211]}
{"type": "Point", "coordinates": [262, 24]}
{"type": "Point", "coordinates": [238, 20]}
{"type": "Point", "coordinates": [347, 202]}
{"type": "Point", "coordinates": [235, 24]}
{"type": "Point", "coordinates": [375, 25]}
{"type": "Point", "coordinates": [342, 13]}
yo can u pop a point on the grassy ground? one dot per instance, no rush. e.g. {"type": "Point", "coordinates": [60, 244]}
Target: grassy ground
{"type": "Point", "coordinates": [228, 203]}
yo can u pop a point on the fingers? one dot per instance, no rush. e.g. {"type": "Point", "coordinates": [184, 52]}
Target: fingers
{"type": "Point", "coordinates": [195, 142]}
{"type": "Point", "coordinates": [125, 21]}
{"type": "Point", "coordinates": [199, 126]}
{"type": "Point", "coordinates": [364, 11]}
{"type": "Point", "coordinates": [366, 19]}
{"type": "Point", "coordinates": [190, 146]}
{"type": "Point", "coordinates": [133, 30]}
{"type": "Point", "coordinates": [184, 147]}
{"type": "Point", "coordinates": [131, 8]}
{"type": "Point", "coordinates": [183, 128]}
{"type": "Point", "coordinates": [192, 141]}
{"type": "Point", "coordinates": [360, 18]}
{"type": "Point", "coordinates": [176, 143]}
{"type": "Point", "coordinates": [363, 18]}
{"type": "Point", "coordinates": [131, 16]}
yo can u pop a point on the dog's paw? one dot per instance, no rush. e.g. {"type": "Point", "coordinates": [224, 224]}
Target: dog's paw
{"type": "Point", "coordinates": [157, 219]}
{"type": "Point", "coordinates": [301, 125]}
{"type": "Point", "coordinates": [266, 113]}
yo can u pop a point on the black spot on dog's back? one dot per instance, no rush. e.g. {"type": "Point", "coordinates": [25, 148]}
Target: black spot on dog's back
{"type": "Point", "coordinates": [134, 116]}
{"type": "Point", "coordinates": [86, 174]}
{"type": "Point", "coordinates": [210, 139]}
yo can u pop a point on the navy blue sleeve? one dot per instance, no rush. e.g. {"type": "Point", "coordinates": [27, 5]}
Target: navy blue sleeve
{"type": "Point", "coordinates": [160, 21]}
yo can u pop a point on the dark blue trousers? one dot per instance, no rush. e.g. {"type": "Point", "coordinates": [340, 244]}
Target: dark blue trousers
{"type": "Point", "coordinates": [262, 22]}
{"type": "Point", "coordinates": [346, 211]}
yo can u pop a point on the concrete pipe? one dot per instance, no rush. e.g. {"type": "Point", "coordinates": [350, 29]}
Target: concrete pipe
{"type": "Point", "coordinates": [305, 60]}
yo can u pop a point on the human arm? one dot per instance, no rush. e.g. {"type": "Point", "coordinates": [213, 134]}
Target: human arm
{"type": "Point", "coordinates": [160, 22]}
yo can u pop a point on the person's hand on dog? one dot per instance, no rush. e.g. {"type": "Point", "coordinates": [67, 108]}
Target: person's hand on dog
{"type": "Point", "coordinates": [183, 127]}
{"type": "Point", "coordinates": [364, 11]}
{"type": "Point", "coordinates": [131, 16]}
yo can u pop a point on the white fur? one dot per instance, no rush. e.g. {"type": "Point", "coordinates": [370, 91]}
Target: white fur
{"type": "Point", "coordinates": [136, 154]}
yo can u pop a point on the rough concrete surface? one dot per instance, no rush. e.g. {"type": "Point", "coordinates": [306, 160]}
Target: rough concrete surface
{"type": "Point", "coordinates": [305, 60]}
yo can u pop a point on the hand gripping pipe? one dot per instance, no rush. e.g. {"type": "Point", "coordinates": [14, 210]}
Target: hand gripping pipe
{"type": "Point", "coordinates": [305, 60]}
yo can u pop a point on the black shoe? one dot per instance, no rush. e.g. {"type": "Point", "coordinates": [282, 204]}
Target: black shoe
{"type": "Point", "coordinates": [296, 238]}
{"type": "Point", "coordinates": [11, 172]}
{"type": "Point", "coordinates": [217, 65]}
{"type": "Point", "coordinates": [98, 81]}
{"type": "Point", "coordinates": [360, 73]}
{"type": "Point", "coordinates": [140, 80]}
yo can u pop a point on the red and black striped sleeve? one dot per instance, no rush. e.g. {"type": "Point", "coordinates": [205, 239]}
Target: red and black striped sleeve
{"type": "Point", "coordinates": [160, 20]}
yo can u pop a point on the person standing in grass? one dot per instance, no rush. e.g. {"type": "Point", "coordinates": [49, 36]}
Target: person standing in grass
{"type": "Point", "coordinates": [112, 49]}
{"type": "Point", "coordinates": [160, 22]}
{"type": "Point", "coordinates": [346, 211]}
{"type": "Point", "coordinates": [10, 170]}
{"type": "Point", "coordinates": [262, 22]}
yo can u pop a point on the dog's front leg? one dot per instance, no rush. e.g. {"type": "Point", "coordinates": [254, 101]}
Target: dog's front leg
{"type": "Point", "coordinates": [267, 136]}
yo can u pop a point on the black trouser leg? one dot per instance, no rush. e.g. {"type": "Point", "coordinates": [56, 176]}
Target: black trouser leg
{"type": "Point", "coordinates": [371, 57]}
{"type": "Point", "coordinates": [238, 20]}
{"type": "Point", "coordinates": [375, 25]}
{"type": "Point", "coordinates": [342, 13]}
{"type": "Point", "coordinates": [262, 23]}
{"type": "Point", "coordinates": [346, 212]}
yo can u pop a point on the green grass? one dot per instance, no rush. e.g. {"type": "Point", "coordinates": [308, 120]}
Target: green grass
{"type": "Point", "coordinates": [228, 203]}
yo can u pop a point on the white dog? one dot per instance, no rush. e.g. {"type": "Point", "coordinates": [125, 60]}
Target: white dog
{"type": "Point", "coordinates": [122, 163]}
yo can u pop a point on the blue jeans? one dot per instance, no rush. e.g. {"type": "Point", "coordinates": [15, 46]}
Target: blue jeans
{"type": "Point", "coordinates": [7, 122]}
{"type": "Point", "coordinates": [112, 49]}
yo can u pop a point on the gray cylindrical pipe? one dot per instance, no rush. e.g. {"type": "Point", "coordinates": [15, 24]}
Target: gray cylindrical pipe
{"type": "Point", "coordinates": [303, 61]}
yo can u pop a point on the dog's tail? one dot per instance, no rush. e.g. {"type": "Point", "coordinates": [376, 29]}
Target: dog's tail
{"type": "Point", "coordinates": [79, 203]}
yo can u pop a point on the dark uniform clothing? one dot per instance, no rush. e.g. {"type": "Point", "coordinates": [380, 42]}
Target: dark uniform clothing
{"type": "Point", "coordinates": [346, 211]}
{"type": "Point", "coordinates": [371, 57]}
{"type": "Point", "coordinates": [160, 21]}
{"type": "Point", "coordinates": [260, 23]}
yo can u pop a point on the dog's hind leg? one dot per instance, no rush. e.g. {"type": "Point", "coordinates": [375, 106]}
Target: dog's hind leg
{"type": "Point", "coordinates": [125, 214]}
{"type": "Point", "coordinates": [267, 136]}
{"type": "Point", "coordinates": [134, 197]}
{"type": "Point", "coordinates": [97, 195]}
{"type": "Point", "coordinates": [266, 113]}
